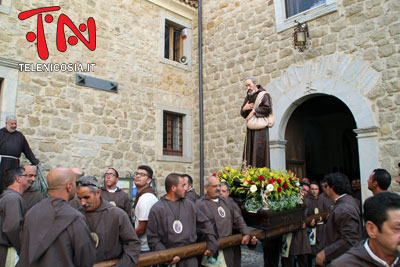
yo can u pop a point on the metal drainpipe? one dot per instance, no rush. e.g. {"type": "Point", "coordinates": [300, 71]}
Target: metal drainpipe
{"type": "Point", "coordinates": [200, 47]}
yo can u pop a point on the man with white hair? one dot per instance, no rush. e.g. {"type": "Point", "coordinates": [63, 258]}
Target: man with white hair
{"type": "Point", "coordinates": [12, 144]}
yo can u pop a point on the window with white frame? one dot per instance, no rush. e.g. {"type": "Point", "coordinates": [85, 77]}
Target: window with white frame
{"type": "Point", "coordinates": [287, 11]}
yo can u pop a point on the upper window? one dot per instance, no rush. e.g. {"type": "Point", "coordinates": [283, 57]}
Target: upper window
{"type": "Point", "coordinates": [172, 134]}
{"type": "Point", "coordinates": [287, 11]}
{"type": "Point", "coordinates": [173, 42]}
{"type": "Point", "coordinates": [294, 7]}
{"type": "Point", "coordinates": [176, 42]}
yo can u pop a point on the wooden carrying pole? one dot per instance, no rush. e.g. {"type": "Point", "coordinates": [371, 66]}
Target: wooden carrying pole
{"type": "Point", "coordinates": [163, 256]}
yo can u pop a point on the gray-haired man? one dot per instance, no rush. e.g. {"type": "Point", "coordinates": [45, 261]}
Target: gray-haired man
{"type": "Point", "coordinates": [12, 144]}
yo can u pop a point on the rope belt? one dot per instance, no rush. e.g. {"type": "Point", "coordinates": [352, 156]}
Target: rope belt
{"type": "Point", "coordinates": [10, 157]}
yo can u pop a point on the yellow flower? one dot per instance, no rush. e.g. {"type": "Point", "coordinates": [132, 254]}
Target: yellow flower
{"type": "Point", "coordinates": [224, 175]}
{"type": "Point", "coordinates": [233, 170]}
{"type": "Point", "coordinates": [271, 174]}
{"type": "Point", "coordinates": [252, 172]}
{"type": "Point", "coordinates": [248, 178]}
{"type": "Point", "coordinates": [227, 168]}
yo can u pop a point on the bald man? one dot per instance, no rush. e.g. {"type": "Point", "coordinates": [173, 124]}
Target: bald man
{"type": "Point", "coordinates": [31, 196]}
{"type": "Point", "coordinates": [55, 234]}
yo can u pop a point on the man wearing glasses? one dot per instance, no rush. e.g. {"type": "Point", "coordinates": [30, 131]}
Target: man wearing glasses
{"type": "Point", "coordinates": [31, 196]}
{"type": "Point", "coordinates": [110, 226]}
{"type": "Point", "coordinates": [112, 193]}
{"type": "Point", "coordinates": [145, 199]}
{"type": "Point", "coordinates": [12, 211]}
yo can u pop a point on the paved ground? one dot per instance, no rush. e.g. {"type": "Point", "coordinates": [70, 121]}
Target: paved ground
{"type": "Point", "coordinates": [252, 258]}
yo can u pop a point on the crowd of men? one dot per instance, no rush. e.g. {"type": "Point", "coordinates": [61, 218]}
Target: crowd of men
{"type": "Point", "coordinates": [82, 222]}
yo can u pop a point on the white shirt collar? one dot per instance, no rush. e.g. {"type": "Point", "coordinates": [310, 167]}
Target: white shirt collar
{"type": "Point", "coordinates": [215, 199]}
{"type": "Point", "coordinates": [112, 190]}
{"type": "Point", "coordinates": [376, 258]}
{"type": "Point", "coordinates": [340, 197]}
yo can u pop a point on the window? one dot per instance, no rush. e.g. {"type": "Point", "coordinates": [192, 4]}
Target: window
{"type": "Point", "coordinates": [172, 134]}
{"type": "Point", "coordinates": [173, 42]}
{"type": "Point", "coordinates": [5, 6]}
{"type": "Point", "coordinates": [176, 42]}
{"type": "Point", "coordinates": [9, 84]}
{"type": "Point", "coordinates": [294, 7]}
{"type": "Point", "coordinates": [287, 11]}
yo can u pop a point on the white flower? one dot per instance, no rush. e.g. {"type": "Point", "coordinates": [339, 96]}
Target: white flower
{"type": "Point", "coordinates": [270, 188]}
{"type": "Point", "coordinates": [253, 188]}
{"type": "Point", "coordinates": [297, 183]}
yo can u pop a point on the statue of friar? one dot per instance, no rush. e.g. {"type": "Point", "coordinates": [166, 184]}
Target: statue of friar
{"type": "Point", "coordinates": [257, 110]}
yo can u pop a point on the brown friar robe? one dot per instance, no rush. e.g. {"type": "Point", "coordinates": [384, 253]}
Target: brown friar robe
{"type": "Point", "coordinates": [256, 147]}
{"type": "Point", "coordinates": [75, 202]}
{"type": "Point", "coordinates": [160, 232]}
{"type": "Point", "coordinates": [224, 218]}
{"type": "Point", "coordinates": [120, 198]}
{"type": "Point", "coordinates": [32, 196]}
{"type": "Point", "coordinates": [55, 234]}
{"type": "Point", "coordinates": [315, 206]}
{"type": "Point", "coordinates": [117, 238]}
{"type": "Point", "coordinates": [12, 211]}
{"type": "Point", "coordinates": [343, 228]}
{"type": "Point", "coordinates": [191, 195]}
{"type": "Point", "coordinates": [358, 257]}
{"type": "Point", "coordinates": [237, 251]}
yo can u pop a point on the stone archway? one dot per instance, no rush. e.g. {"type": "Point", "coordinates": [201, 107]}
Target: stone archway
{"type": "Point", "coordinates": [339, 75]}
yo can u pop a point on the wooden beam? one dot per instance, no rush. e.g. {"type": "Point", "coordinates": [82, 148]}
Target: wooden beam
{"type": "Point", "coordinates": [163, 256]}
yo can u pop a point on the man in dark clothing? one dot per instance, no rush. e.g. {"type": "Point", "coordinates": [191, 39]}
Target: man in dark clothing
{"type": "Point", "coordinates": [191, 192]}
{"type": "Point", "coordinates": [109, 225]}
{"type": "Point", "coordinates": [173, 221]}
{"type": "Point", "coordinates": [382, 222]}
{"type": "Point", "coordinates": [12, 211]}
{"type": "Point", "coordinates": [256, 147]}
{"type": "Point", "coordinates": [12, 144]}
{"type": "Point", "coordinates": [54, 233]}
{"type": "Point", "coordinates": [379, 181]}
{"type": "Point", "coordinates": [113, 194]}
{"type": "Point", "coordinates": [343, 228]}
{"type": "Point", "coordinates": [223, 216]}
{"type": "Point", "coordinates": [31, 195]}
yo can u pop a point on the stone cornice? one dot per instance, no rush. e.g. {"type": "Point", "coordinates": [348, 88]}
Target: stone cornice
{"type": "Point", "coordinates": [367, 132]}
{"type": "Point", "coordinates": [177, 7]}
{"type": "Point", "coordinates": [10, 63]}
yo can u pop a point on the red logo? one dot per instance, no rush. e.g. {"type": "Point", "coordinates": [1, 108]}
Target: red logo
{"type": "Point", "coordinates": [63, 20]}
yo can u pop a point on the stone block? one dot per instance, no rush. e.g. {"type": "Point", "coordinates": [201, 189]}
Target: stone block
{"type": "Point", "coordinates": [47, 147]}
{"type": "Point", "coordinates": [62, 103]}
{"type": "Point", "coordinates": [52, 91]}
{"type": "Point", "coordinates": [386, 50]}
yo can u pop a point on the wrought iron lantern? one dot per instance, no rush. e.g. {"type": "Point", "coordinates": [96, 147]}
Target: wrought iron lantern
{"type": "Point", "coordinates": [300, 35]}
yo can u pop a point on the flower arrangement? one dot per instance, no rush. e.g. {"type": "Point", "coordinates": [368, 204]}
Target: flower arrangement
{"type": "Point", "coordinates": [263, 187]}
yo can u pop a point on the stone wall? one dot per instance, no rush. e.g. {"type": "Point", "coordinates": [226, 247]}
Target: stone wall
{"type": "Point", "coordinates": [240, 40]}
{"type": "Point", "coordinates": [70, 125]}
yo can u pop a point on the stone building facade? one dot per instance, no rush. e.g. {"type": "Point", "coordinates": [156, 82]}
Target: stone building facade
{"type": "Point", "coordinates": [71, 125]}
{"type": "Point", "coordinates": [352, 55]}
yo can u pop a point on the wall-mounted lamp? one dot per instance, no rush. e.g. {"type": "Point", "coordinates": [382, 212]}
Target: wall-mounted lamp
{"type": "Point", "coordinates": [300, 35]}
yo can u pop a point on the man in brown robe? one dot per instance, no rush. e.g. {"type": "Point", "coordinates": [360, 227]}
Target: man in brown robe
{"type": "Point", "coordinates": [144, 201]}
{"type": "Point", "coordinates": [31, 195]}
{"type": "Point", "coordinates": [223, 216]}
{"type": "Point", "coordinates": [173, 221]}
{"type": "Point", "coordinates": [109, 225]}
{"type": "Point", "coordinates": [343, 228]}
{"type": "Point", "coordinates": [191, 192]}
{"type": "Point", "coordinates": [12, 211]}
{"type": "Point", "coordinates": [256, 147]}
{"type": "Point", "coordinates": [382, 222]}
{"type": "Point", "coordinates": [12, 144]}
{"type": "Point", "coordinates": [113, 194]}
{"type": "Point", "coordinates": [54, 233]}
{"type": "Point", "coordinates": [316, 204]}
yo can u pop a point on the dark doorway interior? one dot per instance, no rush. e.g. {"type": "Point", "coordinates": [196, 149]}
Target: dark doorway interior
{"type": "Point", "coordinates": [320, 139]}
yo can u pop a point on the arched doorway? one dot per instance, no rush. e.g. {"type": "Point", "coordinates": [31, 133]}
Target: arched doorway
{"type": "Point", "coordinates": [320, 139]}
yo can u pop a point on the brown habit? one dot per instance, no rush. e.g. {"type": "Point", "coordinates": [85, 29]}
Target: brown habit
{"type": "Point", "coordinates": [12, 210]}
{"type": "Point", "coordinates": [117, 238]}
{"type": "Point", "coordinates": [256, 147]}
{"type": "Point", "coordinates": [31, 197]}
{"type": "Point", "coordinates": [119, 197]}
{"type": "Point", "coordinates": [55, 234]}
{"type": "Point", "coordinates": [343, 228]}
{"type": "Point", "coordinates": [191, 195]}
{"type": "Point", "coordinates": [161, 235]}
{"type": "Point", "coordinates": [223, 224]}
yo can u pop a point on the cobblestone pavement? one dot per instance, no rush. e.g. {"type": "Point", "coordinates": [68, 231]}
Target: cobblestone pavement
{"type": "Point", "coordinates": [252, 258]}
